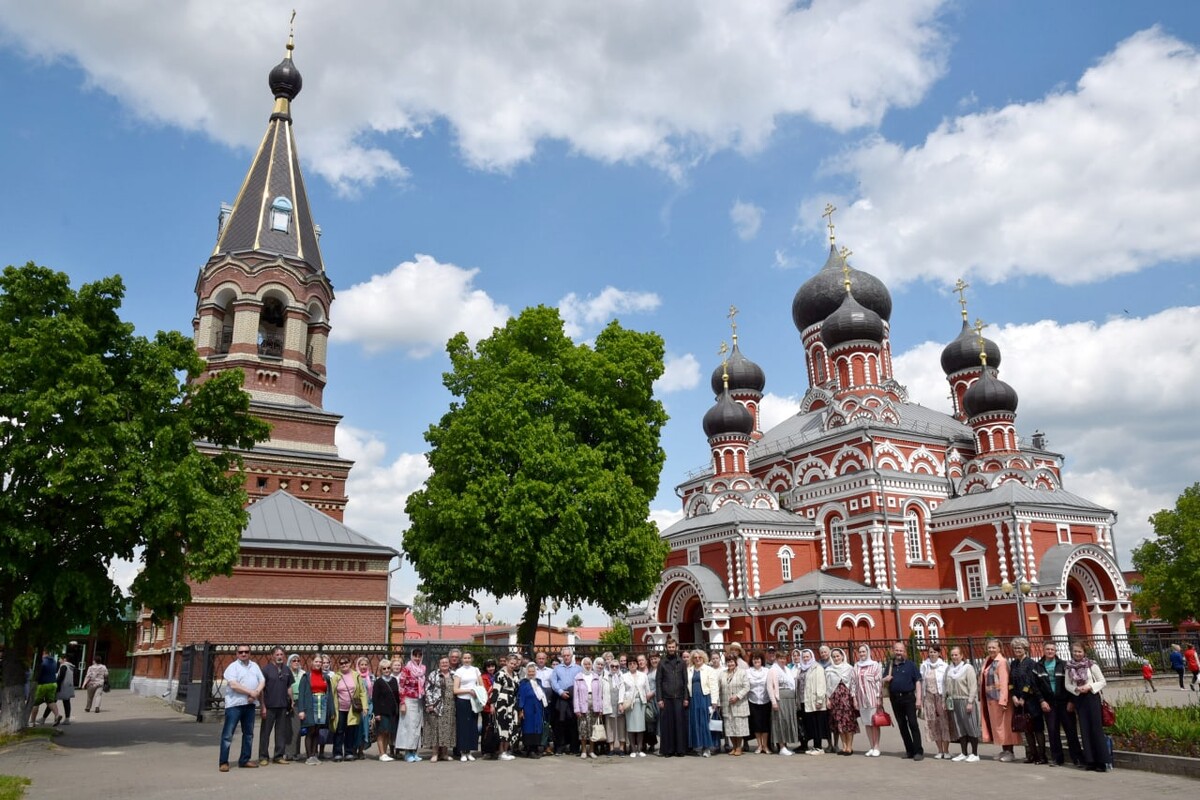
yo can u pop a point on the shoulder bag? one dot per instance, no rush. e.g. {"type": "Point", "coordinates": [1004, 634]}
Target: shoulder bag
{"type": "Point", "coordinates": [881, 719]}
{"type": "Point", "coordinates": [599, 734]}
{"type": "Point", "coordinates": [355, 701]}
{"type": "Point", "coordinates": [1108, 714]}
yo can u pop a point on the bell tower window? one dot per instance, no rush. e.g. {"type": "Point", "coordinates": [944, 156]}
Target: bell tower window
{"type": "Point", "coordinates": [281, 214]}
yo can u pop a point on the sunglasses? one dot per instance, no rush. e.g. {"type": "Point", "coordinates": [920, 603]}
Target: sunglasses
{"type": "Point", "coordinates": [243, 652]}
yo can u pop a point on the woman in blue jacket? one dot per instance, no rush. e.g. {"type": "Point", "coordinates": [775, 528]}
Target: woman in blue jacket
{"type": "Point", "coordinates": [1177, 663]}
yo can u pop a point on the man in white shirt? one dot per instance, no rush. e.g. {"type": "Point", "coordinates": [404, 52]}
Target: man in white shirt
{"type": "Point", "coordinates": [545, 674]}
{"type": "Point", "coordinates": [243, 686]}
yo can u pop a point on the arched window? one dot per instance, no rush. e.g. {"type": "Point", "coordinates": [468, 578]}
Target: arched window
{"type": "Point", "coordinates": [785, 563]}
{"type": "Point", "coordinates": [281, 214]}
{"type": "Point", "coordinates": [918, 629]}
{"type": "Point", "coordinates": [839, 550]}
{"type": "Point", "coordinates": [912, 536]}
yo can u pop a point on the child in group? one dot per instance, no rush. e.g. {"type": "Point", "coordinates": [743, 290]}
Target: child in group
{"type": "Point", "coordinates": [1148, 676]}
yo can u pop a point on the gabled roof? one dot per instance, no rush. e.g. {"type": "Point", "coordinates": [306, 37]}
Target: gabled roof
{"type": "Point", "coordinates": [275, 172]}
{"type": "Point", "coordinates": [1015, 493]}
{"type": "Point", "coordinates": [736, 514]}
{"type": "Point", "coordinates": [281, 522]}
{"type": "Point", "coordinates": [820, 583]}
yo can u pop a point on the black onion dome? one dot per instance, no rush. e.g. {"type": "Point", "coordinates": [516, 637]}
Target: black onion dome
{"type": "Point", "coordinates": [743, 374]}
{"type": "Point", "coordinates": [285, 80]}
{"type": "Point", "coordinates": [963, 352]}
{"type": "Point", "coordinates": [727, 416]}
{"type": "Point", "coordinates": [851, 322]}
{"type": "Point", "coordinates": [821, 294]}
{"type": "Point", "coordinates": [989, 394]}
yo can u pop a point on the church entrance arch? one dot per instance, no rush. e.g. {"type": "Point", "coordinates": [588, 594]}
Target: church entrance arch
{"type": "Point", "coordinates": [1077, 619]}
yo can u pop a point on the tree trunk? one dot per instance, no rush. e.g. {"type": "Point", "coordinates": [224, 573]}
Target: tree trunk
{"type": "Point", "coordinates": [14, 706]}
{"type": "Point", "coordinates": [529, 622]}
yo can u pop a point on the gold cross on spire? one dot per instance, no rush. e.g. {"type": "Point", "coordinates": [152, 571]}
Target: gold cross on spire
{"type": "Point", "coordinates": [732, 316]}
{"type": "Point", "coordinates": [721, 351]}
{"type": "Point", "coordinates": [845, 254]}
{"type": "Point", "coordinates": [829, 209]}
{"type": "Point", "coordinates": [979, 326]}
{"type": "Point", "coordinates": [961, 287]}
{"type": "Point", "coordinates": [291, 42]}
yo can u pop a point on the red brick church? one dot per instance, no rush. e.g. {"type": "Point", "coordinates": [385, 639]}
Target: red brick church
{"type": "Point", "coordinates": [866, 516]}
{"type": "Point", "coordinates": [263, 303]}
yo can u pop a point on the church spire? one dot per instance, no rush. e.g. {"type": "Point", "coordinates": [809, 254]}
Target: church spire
{"type": "Point", "coordinates": [271, 214]}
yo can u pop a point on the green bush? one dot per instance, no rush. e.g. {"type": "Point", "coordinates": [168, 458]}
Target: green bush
{"type": "Point", "coordinates": [1170, 730]}
{"type": "Point", "coordinates": [12, 787]}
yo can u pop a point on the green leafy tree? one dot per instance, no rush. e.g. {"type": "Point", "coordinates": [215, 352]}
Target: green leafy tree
{"type": "Point", "coordinates": [543, 470]}
{"type": "Point", "coordinates": [574, 621]}
{"type": "Point", "coordinates": [98, 432]}
{"type": "Point", "coordinates": [424, 611]}
{"type": "Point", "coordinates": [619, 635]}
{"type": "Point", "coordinates": [1170, 562]}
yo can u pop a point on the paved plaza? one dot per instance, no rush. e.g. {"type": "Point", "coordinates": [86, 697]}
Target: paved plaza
{"type": "Point", "coordinates": [140, 748]}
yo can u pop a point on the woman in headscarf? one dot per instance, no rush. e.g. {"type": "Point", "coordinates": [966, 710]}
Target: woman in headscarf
{"type": "Point", "coordinates": [703, 693]}
{"type": "Point", "coordinates": [439, 731]}
{"type": "Point", "coordinates": [993, 702]}
{"type": "Point", "coordinates": [412, 695]}
{"type": "Point", "coordinates": [1085, 681]}
{"type": "Point", "coordinates": [962, 705]}
{"type": "Point", "coordinates": [313, 706]}
{"type": "Point", "coordinates": [363, 666]}
{"type": "Point", "coordinates": [588, 705]}
{"type": "Point", "coordinates": [634, 699]}
{"type": "Point", "coordinates": [735, 704]}
{"type": "Point", "coordinates": [839, 688]}
{"type": "Point", "coordinates": [814, 696]}
{"type": "Point", "coordinates": [868, 695]}
{"type": "Point", "coordinates": [531, 709]}
{"type": "Point", "coordinates": [782, 689]}
{"type": "Point", "coordinates": [933, 699]}
{"type": "Point", "coordinates": [503, 697]}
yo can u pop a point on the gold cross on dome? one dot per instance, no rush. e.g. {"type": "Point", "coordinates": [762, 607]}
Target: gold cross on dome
{"type": "Point", "coordinates": [721, 351]}
{"type": "Point", "coordinates": [961, 287]}
{"type": "Point", "coordinates": [979, 326]}
{"type": "Point", "coordinates": [732, 316]}
{"type": "Point", "coordinates": [829, 209]}
{"type": "Point", "coordinates": [845, 254]}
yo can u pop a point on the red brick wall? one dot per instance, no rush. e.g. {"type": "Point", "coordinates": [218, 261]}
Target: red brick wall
{"type": "Point", "coordinates": [267, 584]}
{"type": "Point", "coordinates": [282, 623]}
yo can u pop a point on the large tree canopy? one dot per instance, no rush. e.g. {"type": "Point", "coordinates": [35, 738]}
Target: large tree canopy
{"type": "Point", "coordinates": [1170, 562]}
{"type": "Point", "coordinates": [543, 470]}
{"type": "Point", "coordinates": [98, 461]}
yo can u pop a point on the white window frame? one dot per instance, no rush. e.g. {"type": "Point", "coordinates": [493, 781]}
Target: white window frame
{"type": "Point", "coordinates": [693, 556]}
{"type": "Point", "coordinates": [1064, 533]}
{"type": "Point", "coordinates": [281, 215]}
{"type": "Point", "coordinates": [912, 536]}
{"type": "Point", "coordinates": [785, 562]}
{"type": "Point", "coordinates": [973, 571]}
{"type": "Point", "coordinates": [839, 543]}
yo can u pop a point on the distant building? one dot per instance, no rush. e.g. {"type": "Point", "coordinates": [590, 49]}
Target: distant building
{"type": "Point", "coordinates": [263, 308]}
{"type": "Point", "coordinates": [866, 516]}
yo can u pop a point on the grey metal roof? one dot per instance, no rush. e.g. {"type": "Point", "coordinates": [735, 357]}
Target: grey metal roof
{"type": "Point", "coordinates": [738, 514]}
{"type": "Point", "coordinates": [1050, 570]}
{"type": "Point", "coordinates": [282, 522]}
{"type": "Point", "coordinates": [711, 586]}
{"type": "Point", "coordinates": [275, 172]}
{"type": "Point", "coordinates": [819, 582]}
{"type": "Point", "coordinates": [1013, 493]}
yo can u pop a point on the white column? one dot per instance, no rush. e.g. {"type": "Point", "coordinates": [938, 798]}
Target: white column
{"type": "Point", "coordinates": [1030, 564]}
{"type": "Point", "coordinates": [866, 558]}
{"type": "Point", "coordinates": [730, 575]}
{"type": "Point", "coordinates": [1058, 623]}
{"type": "Point", "coordinates": [1097, 619]}
{"type": "Point", "coordinates": [1000, 551]}
{"type": "Point", "coordinates": [754, 582]}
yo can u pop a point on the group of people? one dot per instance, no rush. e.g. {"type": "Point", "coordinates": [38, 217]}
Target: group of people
{"type": "Point", "coordinates": [52, 682]}
{"type": "Point", "coordinates": [676, 703]}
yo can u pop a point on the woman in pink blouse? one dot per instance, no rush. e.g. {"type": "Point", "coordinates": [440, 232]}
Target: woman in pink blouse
{"type": "Point", "coordinates": [993, 700]}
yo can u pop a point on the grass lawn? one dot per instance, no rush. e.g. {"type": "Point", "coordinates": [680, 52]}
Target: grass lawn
{"type": "Point", "coordinates": [12, 787]}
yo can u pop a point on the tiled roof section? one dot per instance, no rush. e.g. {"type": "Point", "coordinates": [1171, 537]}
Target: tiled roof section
{"type": "Point", "coordinates": [1013, 493]}
{"type": "Point", "coordinates": [738, 514]}
{"type": "Point", "coordinates": [281, 522]}
{"type": "Point", "coordinates": [819, 582]}
{"type": "Point", "coordinates": [806, 428]}
{"type": "Point", "coordinates": [275, 172]}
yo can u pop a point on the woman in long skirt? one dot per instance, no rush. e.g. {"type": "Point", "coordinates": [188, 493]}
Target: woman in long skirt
{"type": "Point", "coordinates": [1085, 681]}
{"type": "Point", "coordinates": [868, 695]}
{"type": "Point", "coordinates": [412, 701]}
{"type": "Point", "coordinates": [504, 706]}
{"type": "Point", "coordinates": [994, 702]}
{"type": "Point", "coordinates": [531, 711]}
{"type": "Point", "coordinates": [962, 705]}
{"type": "Point", "coordinates": [614, 717]}
{"type": "Point", "coordinates": [703, 690]}
{"type": "Point", "coordinates": [782, 689]}
{"type": "Point", "coordinates": [634, 699]}
{"type": "Point", "coordinates": [933, 699]}
{"type": "Point", "coordinates": [735, 704]}
{"type": "Point", "coordinates": [440, 730]}
{"type": "Point", "coordinates": [839, 686]}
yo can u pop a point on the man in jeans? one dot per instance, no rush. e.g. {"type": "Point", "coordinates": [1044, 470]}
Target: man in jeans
{"type": "Point", "coordinates": [903, 680]}
{"type": "Point", "coordinates": [276, 707]}
{"type": "Point", "coordinates": [243, 687]}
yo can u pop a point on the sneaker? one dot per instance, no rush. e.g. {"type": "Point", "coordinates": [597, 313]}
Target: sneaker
{"type": "Point", "coordinates": [350, 757]}
{"type": "Point", "coordinates": [816, 752]}
{"type": "Point", "coordinates": [312, 761]}
{"type": "Point", "coordinates": [67, 721]}
{"type": "Point", "coordinates": [337, 759]}
{"type": "Point", "coordinates": [971, 759]}
{"type": "Point", "coordinates": [386, 757]}
{"type": "Point", "coordinates": [593, 754]}
{"type": "Point", "coordinates": [470, 757]}
{"type": "Point", "coordinates": [57, 720]}
{"type": "Point", "coordinates": [706, 754]}
{"type": "Point", "coordinates": [583, 755]}
{"type": "Point", "coordinates": [507, 756]}
{"type": "Point", "coordinates": [463, 759]}
{"type": "Point", "coordinates": [783, 751]}
{"type": "Point", "coordinates": [875, 752]}
{"type": "Point", "coordinates": [960, 757]}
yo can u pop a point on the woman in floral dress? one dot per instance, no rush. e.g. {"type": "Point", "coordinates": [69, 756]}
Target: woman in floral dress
{"type": "Point", "coordinates": [439, 730]}
{"type": "Point", "coordinates": [843, 716]}
{"type": "Point", "coordinates": [503, 698]}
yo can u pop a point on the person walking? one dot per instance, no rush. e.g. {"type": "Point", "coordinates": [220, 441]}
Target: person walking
{"type": "Point", "coordinates": [275, 707]}
{"type": "Point", "coordinates": [94, 682]}
{"type": "Point", "coordinates": [1177, 664]}
{"type": "Point", "coordinates": [1193, 664]}
{"type": "Point", "coordinates": [1148, 676]}
{"type": "Point", "coordinates": [65, 681]}
{"type": "Point", "coordinates": [45, 681]}
{"type": "Point", "coordinates": [243, 688]}
{"type": "Point", "coordinates": [671, 689]}
{"type": "Point", "coordinates": [903, 680]}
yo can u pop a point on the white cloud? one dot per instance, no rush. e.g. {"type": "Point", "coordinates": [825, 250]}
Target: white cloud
{"type": "Point", "coordinates": [682, 372]}
{"type": "Point", "coordinates": [747, 219]}
{"type": "Point", "coordinates": [665, 517]}
{"type": "Point", "coordinates": [1088, 182]}
{"type": "Point", "coordinates": [775, 408]}
{"type": "Point", "coordinates": [417, 307]}
{"type": "Point", "coordinates": [1116, 398]}
{"type": "Point", "coordinates": [580, 315]}
{"type": "Point", "coordinates": [627, 80]}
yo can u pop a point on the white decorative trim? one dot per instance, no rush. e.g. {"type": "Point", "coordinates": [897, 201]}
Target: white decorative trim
{"type": "Point", "coordinates": [854, 619]}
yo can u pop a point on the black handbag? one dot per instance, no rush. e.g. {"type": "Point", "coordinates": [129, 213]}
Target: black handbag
{"type": "Point", "coordinates": [1021, 722]}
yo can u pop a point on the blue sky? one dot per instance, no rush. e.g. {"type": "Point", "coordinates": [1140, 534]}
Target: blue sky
{"type": "Point", "coordinates": [655, 162]}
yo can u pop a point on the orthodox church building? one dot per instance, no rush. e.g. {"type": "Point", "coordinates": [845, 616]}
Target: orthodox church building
{"type": "Point", "coordinates": [263, 308]}
{"type": "Point", "coordinates": [866, 516]}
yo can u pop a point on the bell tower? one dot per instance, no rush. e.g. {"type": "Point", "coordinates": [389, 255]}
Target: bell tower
{"type": "Point", "coordinates": [262, 307]}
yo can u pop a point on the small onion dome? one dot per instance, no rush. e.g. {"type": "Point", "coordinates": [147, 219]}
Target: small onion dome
{"type": "Point", "coordinates": [821, 294]}
{"type": "Point", "coordinates": [851, 322]}
{"type": "Point", "coordinates": [963, 352]}
{"type": "Point", "coordinates": [989, 394]}
{"type": "Point", "coordinates": [727, 416]}
{"type": "Point", "coordinates": [285, 80]}
{"type": "Point", "coordinates": [743, 374]}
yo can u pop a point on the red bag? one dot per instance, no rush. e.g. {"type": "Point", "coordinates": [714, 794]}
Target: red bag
{"type": "Point", "coordinates": [881, 719]}
{"type": "Point", "coordinates": [1108, 715]}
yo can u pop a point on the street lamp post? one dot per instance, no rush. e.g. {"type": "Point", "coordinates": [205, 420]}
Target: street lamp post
{"type": "Point", "coordinates": [1021, 589]}
{"type": "Point", "coordinates": [549, 611]}
{"type": "Point", "coordinates": [484, 619]}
